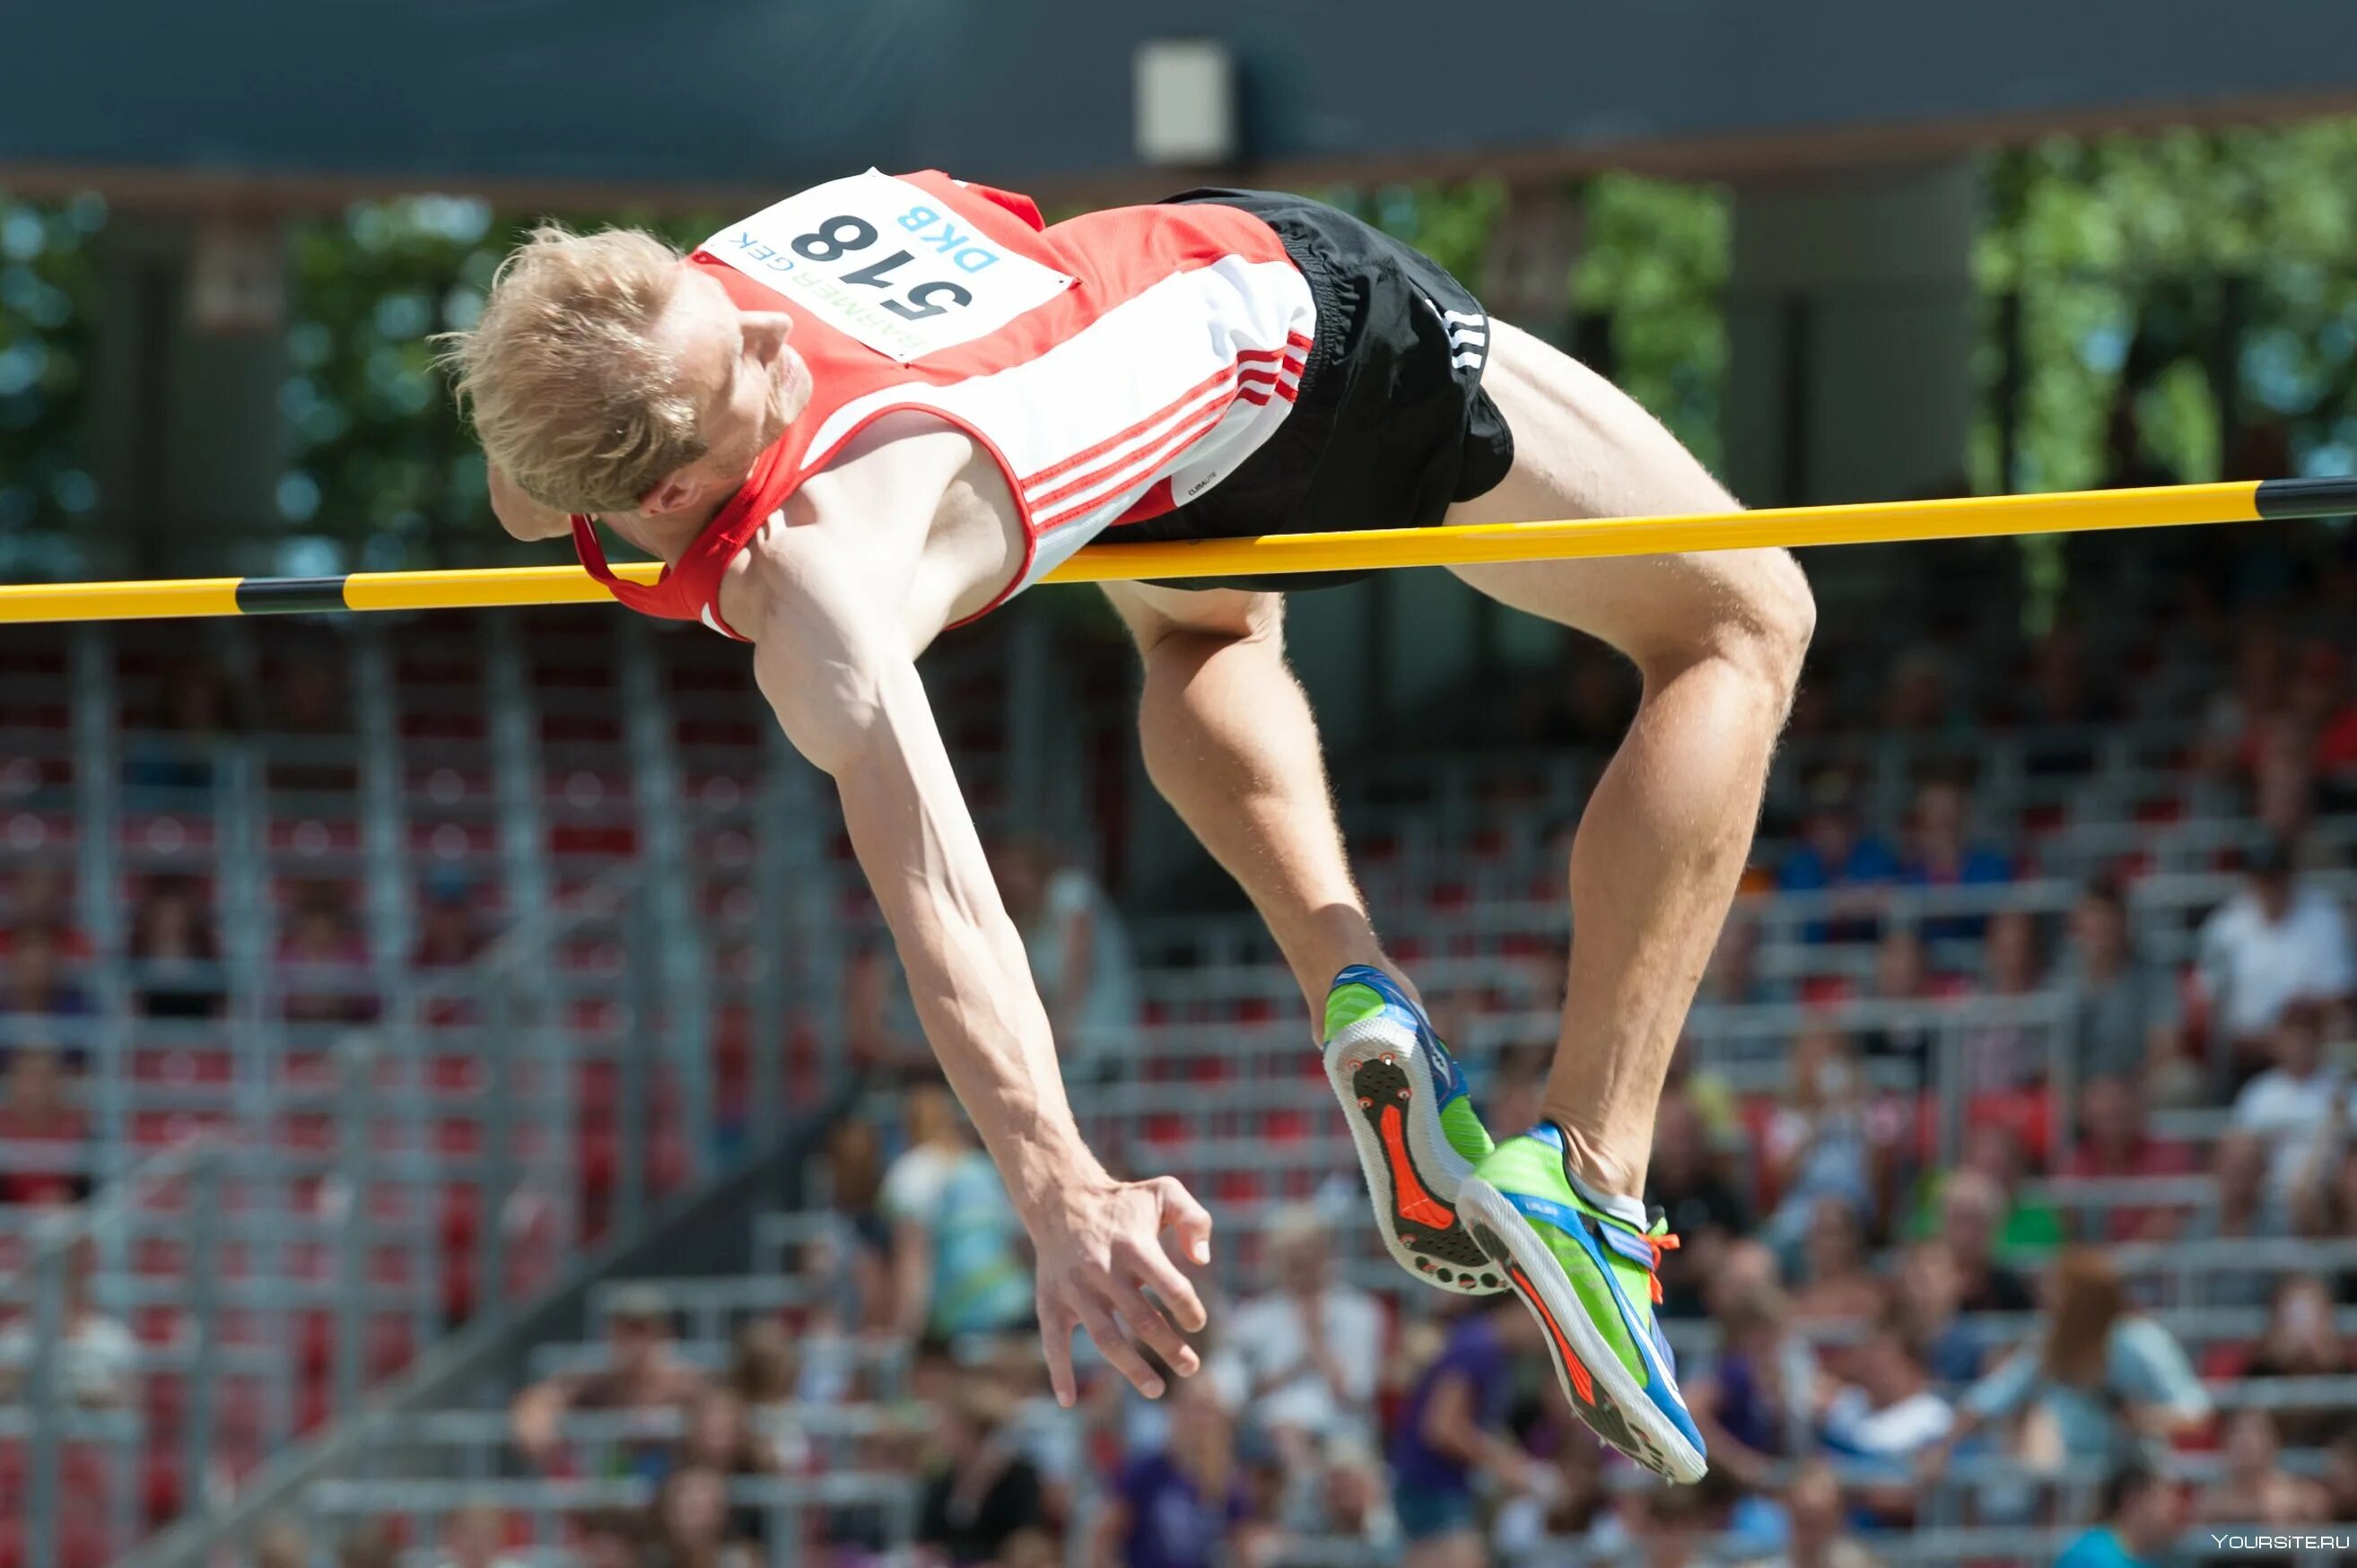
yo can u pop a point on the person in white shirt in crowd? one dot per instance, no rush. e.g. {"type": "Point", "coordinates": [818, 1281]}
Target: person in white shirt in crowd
{"type": "Point", "coordinates": [1079, 950]}
{"type": "Point", "coordinates": [98, 1359]}
{"type": "Point", "coordinates": [1885, 1417]}
{"type": "Point", "coordinates": [1304, 1383]}
{"type": "Point", "coordinates": [957, 1258]}
{"type": "Point", "coordinates": [2291, 1107]}
{"type": "Point", "coordinates": [2278, 941]}
{"type": "Point", "coordinates": [476, 1536]}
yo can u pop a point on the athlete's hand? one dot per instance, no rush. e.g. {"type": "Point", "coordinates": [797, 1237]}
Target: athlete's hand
{"type": "Point", "coordinates": [1100, 1250]}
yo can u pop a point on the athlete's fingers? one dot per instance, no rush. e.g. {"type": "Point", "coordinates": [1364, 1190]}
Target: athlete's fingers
{"type": "Point", "coordinates": [1150, 1325]}
{"type": "Point", "coordinates": [1055, 1326]}
{"type": "Point", "coordinates": [1150, 1265]}
{"type": "Point", "coordinates": [1182, 1214]}
{"type": "Point", "coordinates": [1115, 1346]}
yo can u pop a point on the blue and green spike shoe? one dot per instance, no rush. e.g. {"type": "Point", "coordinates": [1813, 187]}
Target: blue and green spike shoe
{"type": "Point", "coordinates": [1587, 1274]}
{"type": "Point", "coordinates": [1411, 1118]}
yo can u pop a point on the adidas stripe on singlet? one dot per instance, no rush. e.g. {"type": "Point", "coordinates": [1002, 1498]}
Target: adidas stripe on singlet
{"type": "Point", "coordinates": [1164, 346]}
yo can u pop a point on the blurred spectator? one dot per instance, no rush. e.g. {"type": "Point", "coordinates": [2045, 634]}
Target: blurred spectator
{"type": "Point", "coordinates": [1998, 1058]}
{"type": "Point", "coordinates": [43, 1136]}
{"type": "Point", "coordinates": [691, 1526]}
{"type": "Point", "coordinates": [2340, 1472]}
{"type": "Point", "coordinates": [2243, 1212]}
{"type": "Point", "coordinates": [1820, 1143]}
{"type": "Point", "coordinates": [1903, 978]}
{"type": "Point", "coordinates": [310, 706]}
{"type": "Point", "coordinates": [1835, 1281]}
{"type": "Point", "coordinates": [879, 1049]}
{"type": "Point", "coordinates": [611, 1538]}
{"type": "Point", "coordinates": [1599, 698]}
{"type": "Point", "coordinates": [860, 1251]}
{"type": "Point", "coordinates": [2141, 1518]}
{"type": "Point", "coordinates": [1185, 1506]}
{"type": "Point", "coordinates": [1817, 1528]}
{"type": "Point", "coordinates": [1449, 1432]}
{"type": "Point", "coordinates": [2301, 1341]}
{"type": "Point", "coordinates": [1836, 854]}
{"type": "Point", "coordinates": [42, 900]}
{"type": "Point", "coordinates": [1732, 978]}
{"type": "Point", "coordinates": [718, 1436]}
{"type": "Point", "coordinates": [2032, 1227]}
{"type": "Point", "coordinates": [983, 1490]}
{"type": "Point", "coordinates": [2097, 1383]}
{"type": "Point", "coordinates": [448, 934]}
{"type": "Point", "coordinates": [2124, 1009]}
{"type": "Point", "coordinates": [176, 956]}
{"type": "Point", "coordinates": [1971, 1209]}
{"type": "Point", "coordinates": [2283, 787]}
{"type": "Point", "coordinates": [323, 964]}
{"type": "Point", "coordinates": [2116, 1144]}
{"type": "Point", "coordinates": [956, 1264]}
{"type": "Point", "coordinates": [368, 1545]}
{"type": "Point", "coordinates": [2294, 1106]}
{"type": "Point", "coordinates": [1755, 1405]}
{"type": "Point", "coordinates": [2278, 941]}
{"type": "Point", "coordinates": [1916, 700]}
{"type": "Point", "coordinates": [476, 1537]}
{"type": "Point", "coordinates": [1079, 950]}
{"type": "Point", "coordinates": [174, 754]}
{"type": "Point", "coordinates": [2257, 1489]}
{"type": "Point", "coordinates": [1926, 1306]}
{"type": "Point", "coordinates": [281, 1543]}
{"type": "Point", "coordinates": [1941, 854]}
{"type": "Point", "coordinates": [97, 1367]}
{"type": "Point", "coordinates": [1311, 1348]}
{"type": "Point", "coordinates": [1887, 1413]}
{"type": "Point", "coordinates": [642, 1376]}
{"type": "Point", "coordinates": [1688, 1182]}
{"type": "Point", "coordinates": [761, 1363]}
{"type": "Point", "coordinates": [36, 986]}
{"type": "Point", "coordinates": [1352, 1502]}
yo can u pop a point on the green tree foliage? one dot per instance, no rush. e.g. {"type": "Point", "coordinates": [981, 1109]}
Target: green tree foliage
{"type": "Point", "coordinates": [47, 285]}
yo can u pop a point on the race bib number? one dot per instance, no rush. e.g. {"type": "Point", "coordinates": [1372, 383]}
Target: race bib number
{"type": "Point", "coordinates": [888, 263]}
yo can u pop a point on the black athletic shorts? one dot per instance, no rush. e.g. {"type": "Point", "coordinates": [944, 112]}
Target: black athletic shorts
{"type": "Point", "coordinates": [1391, 425]}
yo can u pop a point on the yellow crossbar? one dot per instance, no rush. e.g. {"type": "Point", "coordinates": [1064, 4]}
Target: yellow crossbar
{"type": "Point", "coordinates": [1879, 522]}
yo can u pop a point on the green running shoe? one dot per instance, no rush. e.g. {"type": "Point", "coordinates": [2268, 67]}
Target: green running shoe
{"type": "Point", "coordinates": [1587, 1276]}
{"type": "Point", "coordinates": [1411, 1115]}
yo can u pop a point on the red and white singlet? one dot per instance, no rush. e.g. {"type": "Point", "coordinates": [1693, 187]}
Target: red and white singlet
{"type": "Point", "coordinates": [1114, 366]}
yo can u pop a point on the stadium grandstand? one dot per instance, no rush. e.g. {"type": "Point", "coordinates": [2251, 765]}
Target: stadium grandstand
{"type": "Point", "coordinates": [459, 1104]}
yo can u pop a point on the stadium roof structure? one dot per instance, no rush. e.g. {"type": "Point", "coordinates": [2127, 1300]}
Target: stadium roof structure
{"type": "Point", "coordinates": [702, 101]}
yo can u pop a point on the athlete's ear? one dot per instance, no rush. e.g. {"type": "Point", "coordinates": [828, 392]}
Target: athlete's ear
{"type": "Point", "coordinates": [673, 492]}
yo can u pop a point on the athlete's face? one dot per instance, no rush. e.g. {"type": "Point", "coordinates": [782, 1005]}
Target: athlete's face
{"type": "Point", "coordinates": [748, 382]}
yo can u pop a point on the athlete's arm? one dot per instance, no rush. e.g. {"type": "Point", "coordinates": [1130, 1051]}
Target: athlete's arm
{"type": "Point", "coordinates": [832, 659]}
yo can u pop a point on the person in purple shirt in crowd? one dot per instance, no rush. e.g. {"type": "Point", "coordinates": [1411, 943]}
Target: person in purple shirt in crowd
{"type": "Point", "coordinates": [1835, 853]}
{"type": "Point", "coordinates": [1941, 854]}
{"type": "Point", "coordinates": [1449, 1432]}
{"type": "Point", "coordinates": [1185, 1506]}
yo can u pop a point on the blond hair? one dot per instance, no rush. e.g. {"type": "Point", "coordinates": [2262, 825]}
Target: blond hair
{"type": "Point", "coordinates": [572, 397]}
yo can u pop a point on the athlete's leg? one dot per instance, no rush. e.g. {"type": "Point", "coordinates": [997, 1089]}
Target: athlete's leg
{"type": "Point", "coordinates": [1231, 745]}
{"type": "Point", "coordinates": [1230, 741]}
{"type": "Point", "coordinates": [1719, 639]}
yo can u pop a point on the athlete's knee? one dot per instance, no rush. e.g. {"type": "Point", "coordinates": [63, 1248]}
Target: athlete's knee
{"type": "Point", "coordinates": [1197, 624]}
{"type": "Point", "coordinates": [1761, 621]}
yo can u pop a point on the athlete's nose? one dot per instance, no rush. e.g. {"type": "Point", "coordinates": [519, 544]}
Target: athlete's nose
{"type": "Point", "coordinates": [770, 328]}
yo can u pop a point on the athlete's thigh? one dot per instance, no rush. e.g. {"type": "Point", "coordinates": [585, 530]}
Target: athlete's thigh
{"type": "Point", "coordinates": [1583, 448]}
{"type": "Point", "coordinates": [1152, 612]}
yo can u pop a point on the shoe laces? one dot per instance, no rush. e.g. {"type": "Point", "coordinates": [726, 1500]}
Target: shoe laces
{"type": "Point", "coordinates": [1662, 1239]}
